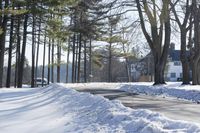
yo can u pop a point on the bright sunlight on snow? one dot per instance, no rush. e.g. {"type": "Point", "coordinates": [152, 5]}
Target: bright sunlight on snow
{"type": "Point", "coordinates": [55, 109]}
{"type": "Point", "coordinates": [171, 89]}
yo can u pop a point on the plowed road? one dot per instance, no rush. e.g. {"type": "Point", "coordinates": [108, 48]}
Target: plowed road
{"type": "Point", "coordinates": [170, 107]}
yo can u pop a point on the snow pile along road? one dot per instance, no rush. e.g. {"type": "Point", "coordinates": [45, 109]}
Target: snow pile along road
{"type": "Point", "coordinates": [187, 92]}
{"type": "Point", "coordinates": [55, 109]}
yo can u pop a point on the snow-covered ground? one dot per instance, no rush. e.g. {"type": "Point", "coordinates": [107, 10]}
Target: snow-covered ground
{"type": "Point", "coordinates": [56, 109]}
{"type": "Point", "coordinates": [171, 89]}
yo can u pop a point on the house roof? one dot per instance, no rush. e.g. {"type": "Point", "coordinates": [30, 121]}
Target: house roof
{"type": "Point", "coordinates": [175, 55]}
{"type": "Point", "coordinates": [149, 55]}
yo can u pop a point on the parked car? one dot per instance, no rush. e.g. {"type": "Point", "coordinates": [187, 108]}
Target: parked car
{"type": "Point", "coordinates": [179, 79]}
{"type": "Point", "coordinates": [40, 81]}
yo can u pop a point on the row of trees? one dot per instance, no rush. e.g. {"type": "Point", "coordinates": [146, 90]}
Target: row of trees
{"type": "Point", "coordinates": [59, 26]}
{"type": "Point", "coordinates": [70, 26]}
{"type": "Point", "coordinates": [35, 22]}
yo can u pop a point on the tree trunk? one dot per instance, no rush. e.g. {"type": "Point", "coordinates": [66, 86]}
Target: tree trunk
{"type": "Point", "coordinates": [90, 61]}
{"type": "Point", "coordinates": [73, 57]}
{"type": "Point", "coordinates": [33, 54]}
{"type": "Point", "coordinates": [128, 70]}
{"type": "Point", "coordinates": [110, 63]}
{"type": "Point", "coordinates": [110, 56]}
{"type": "Point", "coordinates": [2, 44]}
{"type": "Point", "coordinates": [10, 53]}
{"type": "Point", "coordinates": [67, 67]}
{"type": "Point", "coordinates": [196, 58]}
{"type": "Point", "coordinates": [198, 78]}
{"type": "Point", "coordinates": [44, 53]}
{"type": "Point", "coordinates": [195, 72]}
{"type": "Point", "coordinates": [21, 65]}
{"type": "Point", "coordinates": [160, 53]}
{"type": "Point", "coordinates": [76, 60]}
{"type": "Point", "coordinates": [85, 62]}
{"type": "Point", "coordinates": [49, 61]}
{"type": "Point", "coordinates": [79, 57]}
{"type": "Point", "coordinates": [158, 70]}
{"type": "Point", "coordinates": [184, 59]}
{"type": "Point", "coordinates": [17, 63]}
{"type": "Point", "coordinates": [52, 62]}
{"type": "Point", "coordinates": [126, 62]}
{"type": "Point", "coordinates": [38, 50]}
{"type": "Point", "coordinates": [58, 61]}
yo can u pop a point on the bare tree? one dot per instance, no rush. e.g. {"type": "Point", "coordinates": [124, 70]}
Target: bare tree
{"type": "Point", "coordinates": [184, 27]}
{"type": "Point", "coordinates": [159, 29]}
{"type": "Point", "coordinates": [196, 49]}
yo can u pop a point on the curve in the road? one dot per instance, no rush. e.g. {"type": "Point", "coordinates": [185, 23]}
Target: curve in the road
{"type": "Point", "coordinates": [170, 107]}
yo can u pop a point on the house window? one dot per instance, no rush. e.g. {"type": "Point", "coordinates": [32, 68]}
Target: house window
{"type": "Point", "coordinates": [173, 75]}
{"type": "Point", "coordinates": [177, 63]}
{"type": "Point", "coordinates": [181, 75]}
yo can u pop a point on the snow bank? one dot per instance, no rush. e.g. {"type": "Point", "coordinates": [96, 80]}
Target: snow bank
{"type": "Point", "coordinates": [55, 109]}
{"type": "Point", "coordinates": [88, 113]}
{"type": "Point", "coordinates": [186, 92]}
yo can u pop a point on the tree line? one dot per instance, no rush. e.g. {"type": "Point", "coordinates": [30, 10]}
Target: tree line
{"type": "Point", "coordinates": [70, 26]}
{"type": "Point", "coordinates": [59, 26]}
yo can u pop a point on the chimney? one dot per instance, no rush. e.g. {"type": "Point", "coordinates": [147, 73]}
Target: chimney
{"type": "Point", "coordinates": [172, 46]}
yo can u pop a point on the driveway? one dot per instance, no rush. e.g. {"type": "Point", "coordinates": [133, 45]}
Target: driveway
{"type": "Point", "coordinates": [170, 107]}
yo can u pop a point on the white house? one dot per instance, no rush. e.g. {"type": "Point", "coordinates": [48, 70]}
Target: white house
{"type": "Point", "coordinates": [173, 70]}
{"type": "Point", "coordinates": [174, 67]}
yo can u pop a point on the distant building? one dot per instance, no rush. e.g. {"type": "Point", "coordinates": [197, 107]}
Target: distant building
{"type": "Point", "coordinates": [174, 66]}
{"type": "Point", "coordinates": [143, 69]}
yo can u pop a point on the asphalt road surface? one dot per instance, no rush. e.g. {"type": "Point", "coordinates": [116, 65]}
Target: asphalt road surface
{"type": "Point", "coordinates": [170, 107]}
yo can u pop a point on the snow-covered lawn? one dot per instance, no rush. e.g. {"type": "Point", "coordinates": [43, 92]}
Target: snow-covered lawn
{"type": "Point", "coordinates": [171, 89]}
{"type": "Point", "coordinates": [56, 109]}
